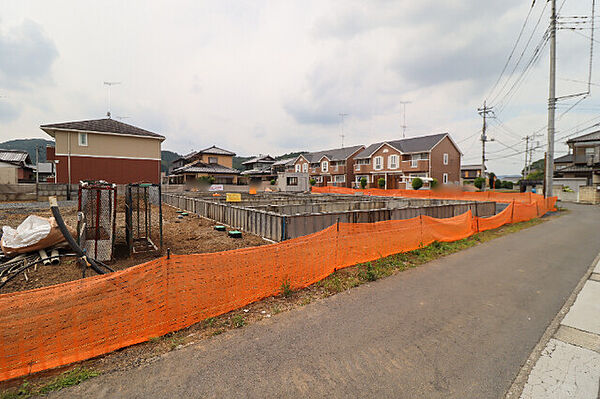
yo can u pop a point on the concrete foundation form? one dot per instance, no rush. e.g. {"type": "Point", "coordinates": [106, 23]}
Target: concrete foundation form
{"type": "Point", "coordinates": [282, 216]}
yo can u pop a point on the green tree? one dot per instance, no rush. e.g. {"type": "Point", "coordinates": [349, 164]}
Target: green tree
{"type": "Point", "coordinates": [312, 181]}
{"type": "Point", "coordinates": [479, 182]}
{"type": "Point", "coordinates": [363, 182]}
{"type": "Point", "coordinates": [417, 183]}
{"type": "Point", "coordinates": [381, 182]}
{"type": "Point", "coordinates": [273, 182]}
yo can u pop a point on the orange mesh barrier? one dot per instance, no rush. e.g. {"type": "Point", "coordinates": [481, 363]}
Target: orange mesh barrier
{"type": "Point", "coordinates": [78, 320]}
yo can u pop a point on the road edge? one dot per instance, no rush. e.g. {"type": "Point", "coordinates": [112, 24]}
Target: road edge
{"type": "Point", "coordinates": [518, 384]}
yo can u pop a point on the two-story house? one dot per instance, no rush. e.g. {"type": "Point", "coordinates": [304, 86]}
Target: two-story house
{"type": "Point", "coordinates": [585, 158]}
{"type": "Point", "coordinates": [258, 169]}
{"type": "Point", "coordinates": [212, 162]}
{"type": "Point", "coordinates": [430, 157]}
{"type": "Point", "coordinates": [330, 167]}
{"type": "Point", "coordinates": [104, 149]}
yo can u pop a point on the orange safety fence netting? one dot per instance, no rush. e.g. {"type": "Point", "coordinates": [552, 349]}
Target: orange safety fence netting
{"type": "Point", "coordinates": [61, 324]}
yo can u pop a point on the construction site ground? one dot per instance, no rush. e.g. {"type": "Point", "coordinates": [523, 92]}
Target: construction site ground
{"type": "Point", "coordinates": [189, 235]}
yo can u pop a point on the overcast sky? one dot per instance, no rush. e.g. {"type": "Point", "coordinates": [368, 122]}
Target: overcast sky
{"type": "Point", "coordinates": [273, 77]}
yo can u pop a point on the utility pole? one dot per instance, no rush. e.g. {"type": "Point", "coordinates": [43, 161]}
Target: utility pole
{"type": "Point", "coordinates": [404, 117]}
{"type": "Point", "coordinates": [37, 172]}
{"type": "Point", "coordinates": [551, 104]}
{"type": "Point", "coordinates": [342, 134]}
{"type": "Point", "coordinates": [526, 151]}
{"type": "Point", "coordinates": [484, 111]}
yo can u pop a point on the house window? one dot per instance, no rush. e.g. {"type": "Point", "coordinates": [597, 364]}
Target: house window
{"type": "Point", "coordinates": [213, 160]}
{"type": "Point", "coordinates": [83, 139]}
{"type": "Point", "coordinates": [339, 178]}
{"type": "Point", "coordinates": [445, 159]}
{"type": "Point", "coordinates": [324, 166]}
{"type": "Point", "coordinates": [378, 163]}
{"type": "Point", "coordinates": [445, 178]}
{"type": "Point", "coordinates": [414, 161]}
{"type": "Point", "coordinates": [305, 167]}
{"type": "Point", "coordinates": [363, 161]}
{"type": "Point", "coordinates": [298, 168]}
{"type": "Point", "coordinates": [319, 179]}
{"type": "Point", "coordinates": [292, 181]}
{"type": "Point", "coordinates": [393, 162]}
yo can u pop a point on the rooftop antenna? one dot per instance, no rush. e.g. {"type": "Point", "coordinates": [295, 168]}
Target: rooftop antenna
{"type": "Point", "coordinates": [342, 134]}
{"type": "Point", "coordinates": [110, 85]}
{"type": "Point", "coordinates": [403, 126]}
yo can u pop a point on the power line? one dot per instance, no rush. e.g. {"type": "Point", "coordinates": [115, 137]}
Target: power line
{"type": "Point", "coordinates": [513, 49]}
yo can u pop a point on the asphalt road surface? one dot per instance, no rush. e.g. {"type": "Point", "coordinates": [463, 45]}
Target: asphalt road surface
{"type": "Point", "coordinates": [459, 327]}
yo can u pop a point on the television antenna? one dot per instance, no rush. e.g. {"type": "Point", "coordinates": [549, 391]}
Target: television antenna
{"type": "Point", "coordinates": [342, 115]}
{"type": "Point", "coordinates": [403, 126]}
{"type": "Point", "coordinates": [110, 85]}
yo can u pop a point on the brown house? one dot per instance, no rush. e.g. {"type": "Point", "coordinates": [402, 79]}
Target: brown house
{"type": "Point", "coordinates": [330, 167]}
{"type": "Point", "coordinates": [104, 149]}
{"type": "Point", "coordinates": [583, 159]}
{"type": "Point", "coordinates": [398, 162]}
{"type": "Point", "coordinates": [212, 163]}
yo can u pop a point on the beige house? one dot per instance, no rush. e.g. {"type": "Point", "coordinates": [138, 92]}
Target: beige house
{"type": "Point", "coordinates": [213, 164]}
{"type": "Point", "coordinates": [104, 149]}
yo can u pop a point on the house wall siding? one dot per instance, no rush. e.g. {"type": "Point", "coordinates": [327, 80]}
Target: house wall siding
{"type": "Point", "coordinates": [437, 161]}
{"type": "Point", "coordinates": [107, 145]}
{"type": "Point", "coordinates": [113, 170]}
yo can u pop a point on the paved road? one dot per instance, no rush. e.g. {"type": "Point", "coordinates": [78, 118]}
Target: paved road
{"type": "Point", "coordinates": [458, 327]}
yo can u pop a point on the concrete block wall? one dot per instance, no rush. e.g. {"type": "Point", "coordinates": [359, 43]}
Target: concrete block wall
{"type": "Point", "coordinates": [589, 194]}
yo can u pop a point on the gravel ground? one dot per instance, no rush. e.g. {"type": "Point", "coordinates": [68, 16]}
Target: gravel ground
{"type": "Point", "coordinates": [35, 205]}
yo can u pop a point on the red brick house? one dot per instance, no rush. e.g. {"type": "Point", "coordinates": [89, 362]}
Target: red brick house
{"type": "Point", "coordinates": [104, 149]}
{"type": "Point", "coordinates": [429, 157]}
{"type": "Point", "coordinates": [330, 167]}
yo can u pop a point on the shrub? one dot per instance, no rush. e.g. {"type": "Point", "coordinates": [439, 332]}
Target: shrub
{"type": "Point", "coordinates": [433, 183]}
{"type": "Point", "coordinates": [498, 183]}
{"type": "Point", "coordinates": [381, 182]}
{"type": "Point", "coordinates": [507, 185]}
{"type": "Point", "coordinates": [312, 181]}
{"type": "Point", "coordinates": [417, 183]}
{"type": "Point", "coordinates": [273, 182]}
{"type": "Point", "coordinates": [206, 180]}
{"type": "Point", "coordinates": [363, 182]}
{"type": "Point", "coordinates": [479, 182]}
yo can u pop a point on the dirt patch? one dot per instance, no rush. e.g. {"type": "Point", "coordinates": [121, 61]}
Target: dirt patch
{"type": "Point", "coordinates": [189, 235]}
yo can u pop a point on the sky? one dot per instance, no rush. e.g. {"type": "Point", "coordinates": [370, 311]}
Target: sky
{"type": "Point", "coordinates": [274, 76]}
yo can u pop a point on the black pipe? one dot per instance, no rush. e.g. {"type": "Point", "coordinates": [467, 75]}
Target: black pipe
{"type": "Point", "coordinates": [95, 265]}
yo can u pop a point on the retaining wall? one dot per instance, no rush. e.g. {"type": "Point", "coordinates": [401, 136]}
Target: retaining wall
{"type": "Point", "coordinates": [279, 227]}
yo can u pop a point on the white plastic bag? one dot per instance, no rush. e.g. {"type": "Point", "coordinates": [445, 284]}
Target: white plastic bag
{"type": "Point", "coordinates": [30, 232]}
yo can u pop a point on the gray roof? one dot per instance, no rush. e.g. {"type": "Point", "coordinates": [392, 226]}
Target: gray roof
{"type": "Point", "coordinates": [576, 168]}
{"type": "Point", "coordinates": [286, 161]}
{"type": "Point", "coordinates": [261, 158]}
{"type": "Point", "coordinates": [408, 145]}
{"type": "Point", "coordinates": [586, 137]}
{"type": "Point", "coordinates": [201, 167]}
{"type": "Point", "coordinates": [564, 159]}
{"type": "Point", "coordinates": [106, 125]}
{"type": "Point", "coordinates": [335, 154]}
{"type": "Point", "coordinates": [470, 167]}
{"type": "Point", "coordinates": [14, 156]}
{"type": "Point", "coordinates": [216, 151]}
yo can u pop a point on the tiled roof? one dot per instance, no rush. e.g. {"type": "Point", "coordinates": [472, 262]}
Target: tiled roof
{"type": "Point", "coordinates": [586, 137]}
{"type": "Point", "coordinates": [564, 159]}
{"type": "Point", "coordinates": [106, 125]}
{"type": "Point", "coordinates": [260, 158]}
{"type": "Point", "coordinates": [286, 161]}
{"type": "Point", "coordinates": [201, 167]}
{"type": "Point", "coordinates": [14, 156]}
{"type": "Point", "coordinates": [409, 145]}
{"type": "Point", "coordinates": [216, 151]}
{"type": "Point", "coordinates": [576, 168]}
{"type": "Point", "coordinates": [335, 154]}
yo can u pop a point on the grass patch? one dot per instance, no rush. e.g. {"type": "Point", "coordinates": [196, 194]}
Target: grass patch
{"type": "Point", "coordinates": [65, 380]}
{"type": "Point", "coordinates": [286, 288]}
{"type": "Point", "coordinates": [238, 321]}
{"type": "Point", "coordinates": [342, 280]}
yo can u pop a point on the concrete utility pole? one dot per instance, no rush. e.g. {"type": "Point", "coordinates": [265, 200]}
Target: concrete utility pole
{"type": "Point", "coordinates": [551, 104]}
{"type": "Point", "coordinates": [37, 172]}
{"type": "Point", "coordinates": [342, 134]}
{"type": "Point", "coordinates": [483, 112]}
{"type": "Point", "coordinates": [526, 151]}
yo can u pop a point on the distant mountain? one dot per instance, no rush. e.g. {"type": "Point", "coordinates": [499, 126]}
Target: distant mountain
{"type": "Point", "coordinates": [290, 155]}
{"type": "Point", "coordinates": [29, 146]}
{"type": "Point", "coordinates": [167, 157]}
{"type": "Point", "coordinates": [237, 162]}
